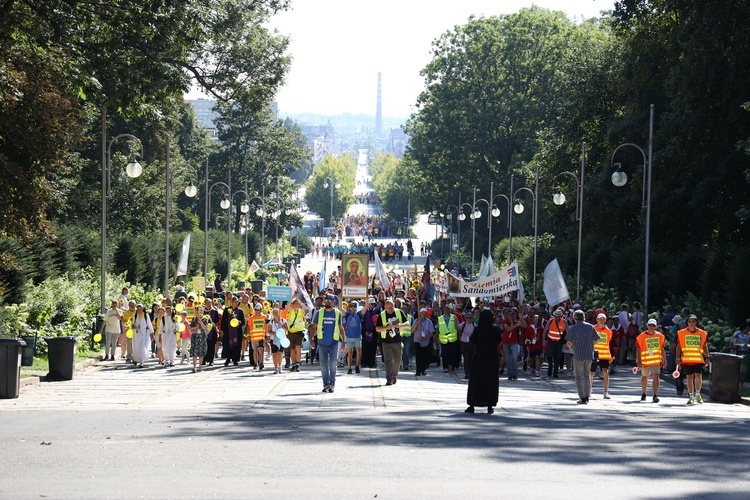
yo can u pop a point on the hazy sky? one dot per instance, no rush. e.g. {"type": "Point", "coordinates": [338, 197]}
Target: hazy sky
{"type": "Point", "coordinates": [339, 46]}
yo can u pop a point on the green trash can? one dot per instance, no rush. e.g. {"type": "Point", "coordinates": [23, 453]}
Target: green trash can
{"type": "Point", "coordinates": [745, 368]}
{"type": "Point", "coordinates": [62, 357]}
{"type": "Point", "coordinates": [10, 367]}
{"type": "Point", "coordinates": [725, 378]}
{"type": "Point", "coordinates": [28, 352]}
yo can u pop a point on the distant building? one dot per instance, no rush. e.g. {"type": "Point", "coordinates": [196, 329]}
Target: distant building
{"type": "Point", "coordinates": [321, 139]}
{"type": "Point", "coordinates": [397, 142]}
{"type": "Point", "coordinates": [379, 111]}
{"type": "Point", "coordinates": [204, 110]}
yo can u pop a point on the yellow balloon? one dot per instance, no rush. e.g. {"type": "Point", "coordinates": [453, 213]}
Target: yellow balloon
{"type": "Point", "coordinates": [179, 307]}
{"type": "Point", "coordinates": [98, 337]}
{"type": "Point", "coordinates": [181, 328]}
{"type": "Point", "coordinates": [234, 323]}
{"type": "Point", "coordinates": [129, 334]}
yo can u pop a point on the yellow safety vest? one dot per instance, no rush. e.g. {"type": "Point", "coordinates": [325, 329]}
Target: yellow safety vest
{"type": "Point", "coordinates": [651, 347]}
{"type": "Point", "coordinates": [691, 344]}
{"type": "Point", "coordinates": [297, 324]}
{"type": "Point", "coordinates": [447, 333]}
{"type": "Point", "coordinates": [335, 327]}
{"type": "Point", "coordinates": [257, 328]}
{"type": "Point", "coordinates": [400, 317]}
{"type": "Point", "coordinates": [602, 345]}
{"type": "Point", "coordinates": [406, 330]}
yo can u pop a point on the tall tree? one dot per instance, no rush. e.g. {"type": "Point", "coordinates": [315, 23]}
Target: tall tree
{"type": "Point", "coordinates": [318, 189]}
{"type": "Point", "coordinates": [491, 85]}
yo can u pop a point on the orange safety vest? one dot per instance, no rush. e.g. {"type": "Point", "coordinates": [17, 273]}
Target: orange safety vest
{"type": "Point", "coordinates": [556, 330]}
{"type": "Point", "coordinates": [602, 345]}
{"type": "Point", "coordinates": [257, 325]}
{"type": "Point", "coordinates": [692, 344]}
{"type": "Point", "coordinates": [651, 347]}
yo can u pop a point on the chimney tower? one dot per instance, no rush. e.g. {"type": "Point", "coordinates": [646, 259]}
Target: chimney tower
{"type": "Point", "coordinates": [379, 112]}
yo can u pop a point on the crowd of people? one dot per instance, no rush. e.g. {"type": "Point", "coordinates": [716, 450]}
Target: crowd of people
{"type": "Point", "coordinates": [483, 338]}
{"type": "Point", "coordinates": [387, 252]}
{"type": "Point", "coordinates": [364, 226]}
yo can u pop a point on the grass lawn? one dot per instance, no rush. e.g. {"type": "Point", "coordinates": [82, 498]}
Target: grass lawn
{"type": "Point", "coordinates": [41, 364]}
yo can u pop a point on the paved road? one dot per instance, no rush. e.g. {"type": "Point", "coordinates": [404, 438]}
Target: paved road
{"type": "Point", "coordinates": [115, 431]}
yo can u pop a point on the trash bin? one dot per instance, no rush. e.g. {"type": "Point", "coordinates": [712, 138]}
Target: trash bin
{"type": "Point", "coordinates": [62, 357]}
{"type": "Point", "coordinates": [745, 368]}
{"type": "Point", "coordinates": [10, 360]}
{"type": "Point", "coordinates": [27, 354]}
{"type": "Point", "coordinates": [257, 285]}
{"type": "Point", "coordinates": [725, 378]}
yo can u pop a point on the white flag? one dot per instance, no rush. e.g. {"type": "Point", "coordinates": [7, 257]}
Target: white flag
{"type": "Point", "coordinates": [254, 266]}
{"type": "Point", "coordinates": [323, 281]}
{"type": "Point", "coordinates": [381, 274]}
{"type": "Point", "coordinates": [554, 286]}
{"type": "Point", "coordinates": [488, 267]}
{"type": "Point", "coordinates": [298, 289]}
{"type": "Point", "coordinates": [182, 267]}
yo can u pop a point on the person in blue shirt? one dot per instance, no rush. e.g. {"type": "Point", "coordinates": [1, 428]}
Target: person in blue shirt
{"type": "Point", "coordinates": [353, 320]}
{"type": "Point", "coordinates": [326, 330]}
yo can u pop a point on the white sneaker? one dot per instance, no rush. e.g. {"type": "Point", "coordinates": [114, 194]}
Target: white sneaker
{"type": "Point", "coordinates": [606, 395]}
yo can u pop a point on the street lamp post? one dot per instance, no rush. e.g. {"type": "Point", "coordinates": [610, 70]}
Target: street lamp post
{"type": "Point", "coordinates": [206, 211]}
{"type": "Point", "coordinates": [449, 216]}
{"type": "Point", "coordinates": [226, 204]}
{"type": "Point", "coordinates": [620, 178]}
{"type": "Point", "coordinates": [263, 212]}
{"type": "Point", "coordinates": [133, 170]}
{"type": "Point", "coordinates": [559, 199]}
{"type": "Point", "coordinates": [462, 217]}
{"type": "Point", "coordinates": [493, 212]}
{"type": "Point", "coordinates": [518, 208]}
{"type": "Point", "coordinates": [330, 182]}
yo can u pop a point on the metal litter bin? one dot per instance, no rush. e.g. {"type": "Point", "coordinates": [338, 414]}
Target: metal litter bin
{"type": "Point", "coordinates": [10, 360]}
{"type": "Point", "coordinates": [62, 357]}
{"type": "Point", "coordinates": [725, 378]}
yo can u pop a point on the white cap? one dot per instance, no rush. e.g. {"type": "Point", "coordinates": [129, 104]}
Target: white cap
{"type": "Point", "coordinates": [601, 315]}
{"type": "Point", "coordinates": [652, 321]}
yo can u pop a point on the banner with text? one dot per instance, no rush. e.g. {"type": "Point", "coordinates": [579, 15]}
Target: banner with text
{"type": "Point", "coordinates": [499, 283]}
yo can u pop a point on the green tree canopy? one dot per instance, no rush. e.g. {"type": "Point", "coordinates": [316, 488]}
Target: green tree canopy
{"type": "Point", "coordinates": [343, 170]}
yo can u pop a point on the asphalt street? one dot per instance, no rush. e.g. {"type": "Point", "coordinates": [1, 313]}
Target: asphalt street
{"type": "Point", "coordinates": [119, 432]}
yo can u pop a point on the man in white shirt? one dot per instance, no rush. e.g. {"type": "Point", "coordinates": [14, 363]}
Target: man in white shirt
{"type": "Point", "coordinates": [112, 327]}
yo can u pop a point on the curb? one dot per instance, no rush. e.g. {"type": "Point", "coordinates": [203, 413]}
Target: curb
{"type": "Point", "coordinates": [667, 378]}
{"type": "Point", "coordinates": [78, 367]}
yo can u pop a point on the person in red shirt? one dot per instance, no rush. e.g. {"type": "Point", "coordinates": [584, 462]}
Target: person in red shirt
{"type": "Point", "coordinates": [533, 338]}
{"type": "Point", "coordinates": [513, 328]}
{"type": "Point", "coordinates": [618, 333]}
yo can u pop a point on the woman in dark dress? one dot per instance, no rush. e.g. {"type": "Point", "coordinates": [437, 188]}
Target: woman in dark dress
{"type": "Point", "coordinates": [484, 378]}
{"type": "Point", "coordinates": [231, 340]}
